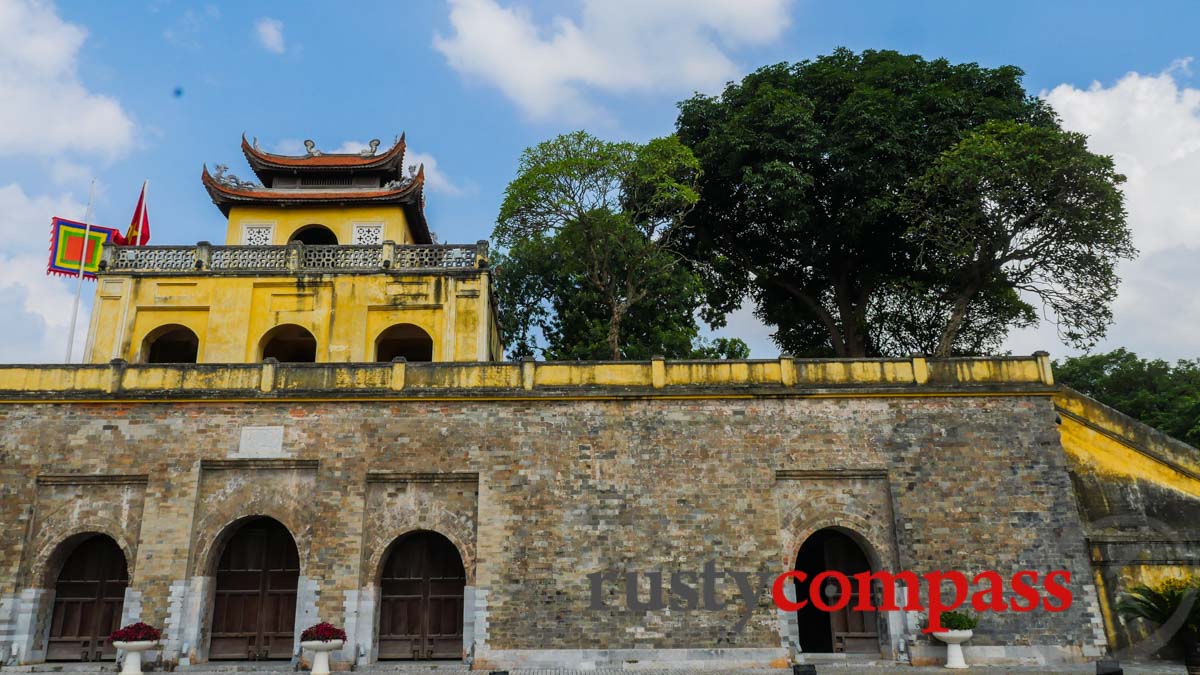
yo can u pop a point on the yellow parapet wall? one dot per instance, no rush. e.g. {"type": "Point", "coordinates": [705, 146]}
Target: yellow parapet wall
{"type": "Point", "coordinates": [1138, 492]}
{"type": "Point", "coordinates": [914, 376]}
{"type": "Point", "coordinates": [1118, 446]}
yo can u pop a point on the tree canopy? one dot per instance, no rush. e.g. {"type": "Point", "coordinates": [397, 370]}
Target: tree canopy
{"type": "Point", "coordinates": [1165, 396]}
{"type": "Point", "coordinates": [1027, 208]}
{"type": "Point", "coordinates": [589, 269]}
{"type": "Point", "coordinates": [828, 199]}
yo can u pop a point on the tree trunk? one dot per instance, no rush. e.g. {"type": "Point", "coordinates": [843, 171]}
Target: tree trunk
{"type": "Point", "coordinates": [823, 315]}
{"type": "Point", "coordinates": [614, 334]}
{"type": "Point", "coordinates": [957, 316]}
{"type": "Point", "coordinates": [850, 311]}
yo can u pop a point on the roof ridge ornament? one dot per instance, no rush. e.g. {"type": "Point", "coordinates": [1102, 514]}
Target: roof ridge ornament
{"type": "Point", "coordinates": [311, 148]}
{"type": "Point", "coordinates": [370, 151]}
{"type": "Point", "coordinates": [413, 172]}
{"type": "Point", "coordinates": [232, 181]}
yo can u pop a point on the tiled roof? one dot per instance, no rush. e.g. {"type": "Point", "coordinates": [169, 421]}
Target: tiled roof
{"type": "Point", "coordinates": [265, 162]}
{"type": "Point", "coordinates": [410, 196]}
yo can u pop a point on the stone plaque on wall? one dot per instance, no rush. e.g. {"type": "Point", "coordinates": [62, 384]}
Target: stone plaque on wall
{"type": "Point", "coordinates": [260, 442]}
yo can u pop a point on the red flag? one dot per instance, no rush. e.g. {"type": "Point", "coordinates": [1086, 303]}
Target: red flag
{"type": "Point", "coordinates": [139, 228]}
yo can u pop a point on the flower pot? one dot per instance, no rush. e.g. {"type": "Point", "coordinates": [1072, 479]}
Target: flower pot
{"type": "Point", "coordinates": [133, 654]}
{"type": "Point", "coordinates": [320, 650]}
{"type": "Point", "coordinates": [954, 640]}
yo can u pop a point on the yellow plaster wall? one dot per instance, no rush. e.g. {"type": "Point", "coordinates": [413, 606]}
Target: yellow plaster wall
{"type": "Point", "coordinates": [344, 312]}
{"type": "Point", "coordinates": [777, 376]}
{"type": "Point", "coordinates": [340, 220]}
{"type": "Point", "coordinates": [1119, 451]}
{"type": "Point", "coordinates": [1110, 446]}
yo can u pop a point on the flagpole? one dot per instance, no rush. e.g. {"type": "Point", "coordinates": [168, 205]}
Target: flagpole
{"type": "Point", "coordinates": [87, 231]}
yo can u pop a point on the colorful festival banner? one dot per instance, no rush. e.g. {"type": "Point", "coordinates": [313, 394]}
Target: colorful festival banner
{"type": "Point", "coordinates": [67, 247]}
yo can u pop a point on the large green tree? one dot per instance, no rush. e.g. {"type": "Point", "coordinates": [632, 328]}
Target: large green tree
{"type": "Point", "coordinates": [1027, 208]}
{"type": "Point", "coordinates": [1165, 396]}
{"type": "Point", "coordinates": [808, 205]}
{"type": "Point", "coordinates": [588, 268]}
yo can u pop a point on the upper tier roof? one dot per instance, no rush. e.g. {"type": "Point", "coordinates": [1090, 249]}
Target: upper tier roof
{"type": "Point", "coordinates": [265, 164]}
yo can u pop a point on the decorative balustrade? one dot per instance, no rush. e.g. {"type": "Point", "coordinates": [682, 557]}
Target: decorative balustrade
{"type": "Point", "coordinates": [294, 257]}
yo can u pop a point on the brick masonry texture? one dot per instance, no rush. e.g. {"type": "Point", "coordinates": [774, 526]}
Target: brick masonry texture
{"type": "Point", "coordinates": [544, 492]}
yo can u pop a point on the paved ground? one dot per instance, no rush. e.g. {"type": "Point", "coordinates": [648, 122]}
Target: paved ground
{"type": "Point", "coordinates": [1150, 668]}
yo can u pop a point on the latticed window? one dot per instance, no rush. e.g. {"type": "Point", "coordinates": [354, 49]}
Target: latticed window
{"type": "Point", "coordinates": [324, 181]}
{"type": "Point", "coordinates": [258, 235]}
{"type": "Point", "coordinates": [368, 234]}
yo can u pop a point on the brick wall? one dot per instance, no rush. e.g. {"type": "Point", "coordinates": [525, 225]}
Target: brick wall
{"type": "Point", "coordinates": [546, 491]}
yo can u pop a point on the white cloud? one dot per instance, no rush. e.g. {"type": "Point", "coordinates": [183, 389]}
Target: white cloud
{"type": "Point", "coordinates": [270, 34]}
{"type": "Point", "coordinates": [36, 307]}
{"type": "Point", "coordinates": [435, 179]}
{"type": "Point", "coordinates": [44, 109]}
{"type": "Point", "coordinates": [617, 46]}
{"type": "Point", "coordinates": [289, 146]}
{"type": "Point", "coordinates": [1150, 124]}
{"type": "Point", "coordinates": [66, 172]}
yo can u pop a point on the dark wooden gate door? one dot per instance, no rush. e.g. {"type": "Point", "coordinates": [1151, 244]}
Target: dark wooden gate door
{"type": "Point", "coordinates": [87, 602]}
{"type": "Point", "coordinates": [845, 630]}
{"type": "Point", "coordinates": [254, 611]}
{"type": "Point", "coordinates": [421, 600]}
{"type": "Point", "coordinates": [853, 631]}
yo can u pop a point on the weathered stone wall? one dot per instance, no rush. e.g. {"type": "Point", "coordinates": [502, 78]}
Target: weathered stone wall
{"type": "Point", "coordinates": [539, 492]}
{"type": "Point", "coordinates": [1138, 494]}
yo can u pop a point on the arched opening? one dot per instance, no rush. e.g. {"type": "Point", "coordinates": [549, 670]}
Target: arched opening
{"type": "Point", "coordinates": [841, 631]}
{"type": "Point", "coordinates": [289, 343]}
{"type": "Point", "coordinates": [404, 339]}
{"type": "Point", "coordinates": [254, 604]}
{"type": "Point", "coordinates": [421, 599]}
{"type": "Point", "coordinates": [315, 235]}
{"type": "Point", "coordinates": [170, 344]}
{"type": "Point", "coordinates": [88, 597]}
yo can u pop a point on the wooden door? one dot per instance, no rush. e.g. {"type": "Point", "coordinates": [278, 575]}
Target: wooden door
{"type": "Point", "coordinates": [421, 600]}
{"type": "Point", "coordinates": [88, 599]}
{"type": "Point", "coordinates": [853, 631]}
{"type": "Point", "coordinates": [254, 610]}
{"type": "Point", "coordinates": [845, 630]}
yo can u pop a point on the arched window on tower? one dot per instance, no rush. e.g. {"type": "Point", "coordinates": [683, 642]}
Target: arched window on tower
{"type": "Point", "coordinates": [170, 344]}
{"type": "Point", "coordinates": [289, 343]}
{"type": "Point", "coordinates": [315, 235]}
{"type": "Point", "coordinates": [404, 339]}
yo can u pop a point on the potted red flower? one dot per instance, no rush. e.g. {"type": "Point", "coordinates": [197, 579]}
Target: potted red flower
{"type": "Point", "coordinates": [320, 640]}
{"type": "Point", "coordinates": [133, 640]}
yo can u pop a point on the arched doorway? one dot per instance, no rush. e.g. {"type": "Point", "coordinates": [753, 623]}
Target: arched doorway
{"type": "Point", "coordinates": [404, 339]}
{"type": "Point", "coordinates": [315, 235]}
{"type": "Point", "coordinates": [254, 606]}
{"type": "Point", "coordinates": [844, 630]}
{"type": "Point", "coordinates": [421, 599]}
{"type": "Point", "coordinates": [88, 597]}
{"type": "Point", "coordinates": [289, 343]}
{"type": "Point", "coordinates": [170, 344]}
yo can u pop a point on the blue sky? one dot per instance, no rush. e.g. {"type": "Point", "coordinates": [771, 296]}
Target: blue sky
{"type": "Point", "coordinates": [92, 92]}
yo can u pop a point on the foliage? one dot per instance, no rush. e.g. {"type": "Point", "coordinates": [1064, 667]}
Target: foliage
{"type": "Point", "coordinates": [589, 269]}
{"type": "Point", "coordinates": [720, 348]}
{"type": "Point", "coordinates": [1023, 208]}
{"type": "Point", "coordinates": [136, 632]}
{"type": "Point", "coordinates": [1153, 391]}
{"type": "Point", "coordinates": [1159, 604]}
{"type": "Point", "coordinates": [322, 632]}
{"type": "Point", "coordinates": [959, 621]}
{"type": "Point", "coordinates": [807, 207]}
